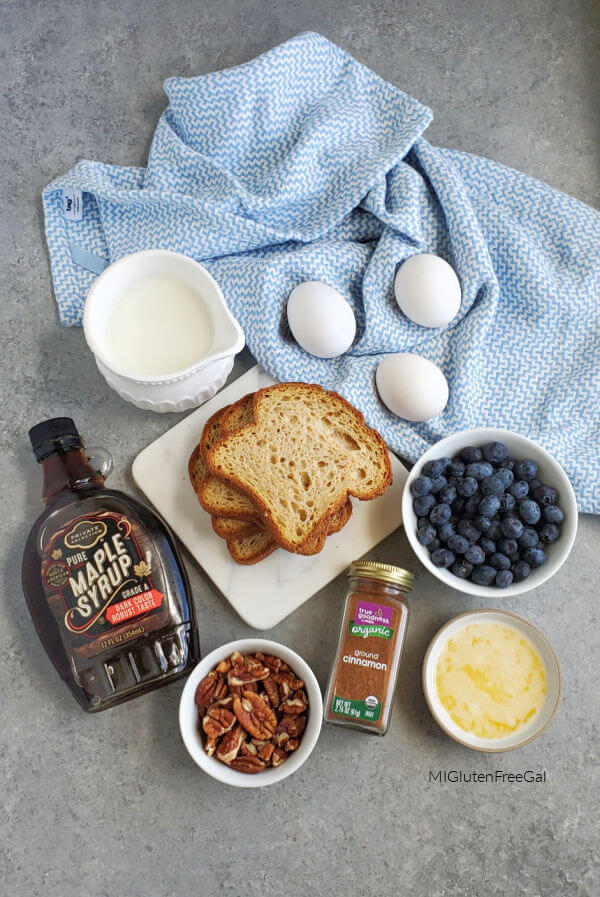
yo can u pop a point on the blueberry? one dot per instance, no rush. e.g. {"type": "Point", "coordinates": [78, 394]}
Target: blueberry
{"type": "Point", "coordinates": [438, 483]}
{"type": "Point", "coordinates": [511, 527]}
{"type": "Point", "coordinates": [505, 475]}
{"type": "Point", "coordinates": [529, 511]}
{"type": "Point", "coordinates": [484, 575]}
{"type": "Point", "coordinates": [479, 470]}
{"type": "Point", "coordinates": [509, 547]}
{"type": "Point", "coordinates": [503, 579]}
{"type": "Point", "coordinates": [519, 489]}
{"type": "Point", "coordinates": [440, 514]}
{"type": "Point", "coordinates": [492, 486]}
{"type": "Point", "coordinates": [488, 545]}
{"type": "Point", "coordinates": [483, 524]}
{"type": "Point", "coordinates": [507, 464]}
{"type": "Point", "coordinates": [507, 502]}
{"type": "Point", "coordinates": [422, 521]}
{"type": "Point", "coordinates": [458, 506]}
{"type": "Point", "coordinates": [533, 484]}
{"type": "Point", "coordinates": [545, 495]}
{"type": "Point", "coordinates": [489, 505]}
{"type": "Point", "coordinates": [423, 505]}
{"type": "Point", "coordinates": [447, 495]}
{"type": "Point", "coordinates": [468, 529]}
{"type": "Point", "coordinates": [445, 531]}
{"type": "Point", "coordinates": [500, 561]}
{"type": "Point", "coordinates": [441, 557]}
{"type": "Point", "coordinates": [447, 463]}
{"type": "Point", "coordinates": [495, 452]}
{"type": "Point", "coordinates": [535, 557]}
{"type": "Point", "coordinates": [525, 470]}
{"type": "Point", "coordinates": [472, 505]}
{"type": "Point", "coordinates": [475, 555]}
{"type": "Point", "coordinates": [456, 469]}
{"type": "Point", "coordinates": [458, 544]}
{"type": "Point", "coordinates": [462, 568]}
{"type": "Point", "coordinates": [421, 486]}
{"type": "Point", "coordinates": [434, 545]}
{"type": "Point", "coordinates": [494, 531]}
{"type": "Point", "coordinates": [467, 487]}
{"type": "Point", "coordinates": [433, 468]}
{"type": "Point", "coordinates": [520, 571]}
{"type": "Point", "coordinates": [471, 453]}
{"type": "Point", "coordinates": [529, 537]}
{"type": "Point", "coordinates": [549, 532]}
{"type": "Point", "coordinates": [553, 514]}
{"type": "Point", "coordinates": [426, 534]}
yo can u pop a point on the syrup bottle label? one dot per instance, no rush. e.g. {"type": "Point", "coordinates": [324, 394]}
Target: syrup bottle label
{"type": "Point", "coordinates": [96, 578]}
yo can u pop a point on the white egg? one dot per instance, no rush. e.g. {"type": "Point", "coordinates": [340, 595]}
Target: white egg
{"type": "Point", "coordinates": [320, 319]}
{"type": "Point", "coordinates": [411, 386]}
{"type": "Point", "coordinates": [427, 290]}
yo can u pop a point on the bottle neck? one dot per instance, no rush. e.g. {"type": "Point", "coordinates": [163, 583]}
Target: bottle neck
{"type": "Point", "coordinates": [68, 470]}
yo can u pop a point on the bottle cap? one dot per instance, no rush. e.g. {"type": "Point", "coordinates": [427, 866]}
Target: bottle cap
{"type": "Point", "coordinates": [384, 572]}
{"type": "Point", "coordinates": [59, 434]}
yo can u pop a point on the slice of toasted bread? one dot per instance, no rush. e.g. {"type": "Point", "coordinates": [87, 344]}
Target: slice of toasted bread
{"type": "Point", "coordinates": [253, 548]}
{"type": "Point", "coordinates": [305, 453]}
{"type": "Point", "coordinates": [237, 415]}
{"type": "Point", "coordinates": [217, 497]}
{"type": "Point", "coordinates": [234, 527]}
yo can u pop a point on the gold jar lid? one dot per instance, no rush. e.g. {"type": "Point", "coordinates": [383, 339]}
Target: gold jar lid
{"type": "Point", "coordinates": [384, 572]}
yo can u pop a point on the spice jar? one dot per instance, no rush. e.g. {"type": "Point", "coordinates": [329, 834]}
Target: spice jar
{"type": "Point", "coordinates": [365, 669]}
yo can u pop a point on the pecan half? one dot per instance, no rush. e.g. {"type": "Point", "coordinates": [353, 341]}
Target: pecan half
{"type": "Point", "coordinates": [287, 683]}
{"type": "Point", "coordinates": [223, 667]}
{"type": "Point", "coordinates": [274, 663]}
{"type": "Point", "coordinates": [272, 691]}
{"type": "Point", "coordinates": [292, 745]}
{"type": "Point", "coordinates": [218, 721]}
{"type": "Point", "coordinates": [255, 715]}
{"type": "Point", "coordinates": [247, 764]}
{"type": "Point", "coordinates": [230, 744]}
{"type": "Point", "coordinates": [244, 673]}
{"type": "Point", "coordinates": [266, 752]}
{"type": "Point", "coordinates": [205, 690]}
{"type": "Point", "coordinates": [278, 757]}
{"type": "Point", "coordinates": [295, 705]}
{"type": "Point", "coordinates": [289, 727]}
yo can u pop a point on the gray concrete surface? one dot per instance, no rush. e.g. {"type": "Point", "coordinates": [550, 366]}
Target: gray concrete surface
{"type": "Point", "coordinates": [109, 805]}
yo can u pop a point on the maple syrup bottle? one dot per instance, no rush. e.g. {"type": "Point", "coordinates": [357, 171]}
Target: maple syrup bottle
{"type": "Point", "coordinates": [103, 579]}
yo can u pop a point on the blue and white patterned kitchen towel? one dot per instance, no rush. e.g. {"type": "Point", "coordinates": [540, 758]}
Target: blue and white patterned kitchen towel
{"type": "Point", "coordinates": [303, 164]}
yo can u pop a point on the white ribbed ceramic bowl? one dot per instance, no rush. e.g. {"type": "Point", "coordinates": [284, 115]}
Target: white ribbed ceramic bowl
{"type": "Point", "coordinates": [550, 472]}
{"type": "Point", "coordinates": [182, 389]}
{"type": "Point", "coordinates": [189, 723]}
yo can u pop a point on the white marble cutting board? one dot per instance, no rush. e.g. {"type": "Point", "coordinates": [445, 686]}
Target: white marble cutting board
{"type": "Point", "coordinates": [265, 593]}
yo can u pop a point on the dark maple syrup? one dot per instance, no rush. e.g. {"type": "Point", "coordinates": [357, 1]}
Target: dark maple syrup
{"type": "Point", "coordinates": [104, 580]}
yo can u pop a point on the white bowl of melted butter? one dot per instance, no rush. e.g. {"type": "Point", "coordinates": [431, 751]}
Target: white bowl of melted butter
{"type": "Point", "coordinates": [491, 680]}
{"type": "Point", "coordinates": [160, 330]}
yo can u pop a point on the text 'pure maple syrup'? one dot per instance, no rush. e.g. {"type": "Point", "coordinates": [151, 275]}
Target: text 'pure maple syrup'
{"type": "Point", "coordinates": [103, 579]}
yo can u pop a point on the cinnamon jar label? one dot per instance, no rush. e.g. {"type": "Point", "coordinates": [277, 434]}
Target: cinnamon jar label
{"type": "Point", "coordinates": [96, 576]}
{"type": "Point", "coordinates": [371, 620]}
{"type": "Point", "coordinates": [365, 662]}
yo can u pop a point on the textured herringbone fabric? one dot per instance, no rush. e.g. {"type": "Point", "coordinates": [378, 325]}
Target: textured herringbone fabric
{"type": "Point", "coordinates": [303, 164]}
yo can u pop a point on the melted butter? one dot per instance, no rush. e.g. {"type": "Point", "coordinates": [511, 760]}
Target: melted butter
{"type": "Point", "coordinates": [490, 679]}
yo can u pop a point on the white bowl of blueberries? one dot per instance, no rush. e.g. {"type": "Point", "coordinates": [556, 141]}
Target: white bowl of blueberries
{"type": "Point", "coordinates": [489, 511]}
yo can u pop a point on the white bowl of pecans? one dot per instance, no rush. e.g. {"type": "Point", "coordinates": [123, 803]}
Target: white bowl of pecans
{"type": "Point", "coordinates": [250, 713]}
